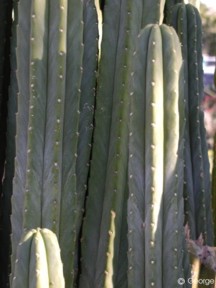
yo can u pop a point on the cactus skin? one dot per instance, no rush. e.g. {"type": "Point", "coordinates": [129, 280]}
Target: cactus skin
{"type": "Point", "coordinates": [38, 262]}
{"type": "Point", "coordinates": [168, 9]}
{"type": "Point", "coordinates": [5, 249]}
{"type": "Point", "coordinates": [156, 161]}
{"type": "Point", "coordinates": [87, 104]}
{"type": "Point", "coordinates": [153, 12]}
{"type": "Point", "coordinates": [23, 36]}
{"type": "Point", "coordinates": [187, 23]}
{"type": "Point", "coordinates": [46, 192]}
{"type": "Point", "coordinates": [37, 106]}
{"type": "Point", "coordinates": [108, 176]}
{"type": "Point", "coordinates": [26, 201]}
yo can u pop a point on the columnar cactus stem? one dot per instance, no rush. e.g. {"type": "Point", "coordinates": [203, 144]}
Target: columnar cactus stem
{"type": "Point", "coordinates": [180, 18]}
{"type": "Point", "coordinates": [201, 175]}
{"type": "Point", "coordinates": [156, 161]}
{"type": "Point", "coordinates": [168, 9]}
{"type": "Point", "coordinates": [154, 154]}
{"type": "Point", "coordinates": [187, 22]}
{"type": "Point", "coordinates": [38, 262]}
{"type": "Point", "coordinates": [70, 208]}
{"type": "Point", "coordinates": [37, 106]}
{"type": "Point", "coordinates": [136, 167]}
{"type": "Point", "coordinates": [10, 155]}
{"type": "Point", "coordinates": [107, 185]}
{"type": "Point", "coordinates": [87, 99]}
{"type": "Point", "coordinates": [103, 115]}
{"type": "Point", "coordinates": [53, 162]}
{"type": "Point", "coordinates": [173, 81]}
{"type": "Point", "coordinates": [23, 53]}
{"type": "Point", "coordinates": [87, 104]}
{"type": "Point", "coordinates": [49, 152]}
{"type": "Point", "coordinates": [153, 12]}
{"type": "Point", "coordinates": [38, 270]}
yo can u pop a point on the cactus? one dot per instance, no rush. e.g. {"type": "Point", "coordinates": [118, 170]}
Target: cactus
{"type": "Point", "coordinates": [5, 248]}
{"type": "Point", "coordinates": [106, 204]}
{"type": "Point", "coordinates": [19, 184]}
{"type": "Point", "coordinates": [49, 187]}
{"type": "Point", "coordinates": [157, 12]}
{"type": "Point", "coordinates": [149, 170]}
{"type": "Point", "coordinates": [38, 262]}
{"type": "Point", "coordinates": [156, 161]}
{"type": "Point", "coordinates": [187, 23]}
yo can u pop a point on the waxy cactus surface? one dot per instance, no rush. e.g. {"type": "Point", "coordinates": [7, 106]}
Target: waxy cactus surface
{"type": "Point", "coordinates": [38, 262]}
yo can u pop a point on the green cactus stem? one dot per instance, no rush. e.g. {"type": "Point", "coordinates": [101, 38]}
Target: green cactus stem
{"type": "Point", "coordinates": [156, 160]}
{"type": "Point", "coordinates": [153, 12]}
{"type": "Point", "coordinates": [187, 22]}
{"type": "Point", "coordinates": [38, 262]}
{"type": "Point", "coordinates": [51, 118]}
{"type": "Point", "coordinates": [5, 249]}
{"type": "Point", "coordinates": [168, 9]}
{"type": "Point", "coordinates": [23, 36]}
{"type": "Point", "coordinates": [37, 106]}
{"type": "Point", "coordinates": [108, 176]}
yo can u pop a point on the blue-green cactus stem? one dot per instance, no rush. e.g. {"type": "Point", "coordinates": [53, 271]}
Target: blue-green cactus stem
{"type": "Point", "coordinates": [136, 166]}
{"type": "Point", "coordinates": [38, 270]}
{"type": "Point", "coordinates": [38, 262]}
{"type": "Point", "coordinates": [53, 255]}
{"type": "Point", "coordinates": [116, 191]}
{"type": "Point", "coordinates": [37, 112]}
{"type": "Point", "coordinates": [181, 24]}
{"type": "Point", "coordinates": [173, 210]}
{"type": "Point", "coordinates": [107, 184]}
{"type": "Point", "coordinates": [23, 53]}
{"type": "Point", "coordinates": [200, 164]}
{"type": "Point", "coordinates": [87, 105]}
{"type": "Point", "coordinates": [70, 209]}
{"type": "Point", "coordinates": [153, 12]}
{"type": "Point", "coordinates": [154, 155]}
{"type": "Point", "coordinates": [101, 138]}
{"type": "Point", "coordinates": [168, 9]}
{"type": "Point", "coordinates": [21, 261]}
{"type": "Point", "coordinates": [52, 177]}
{"type": "Point", "coordinates": [156, 160]}
{"type": "Point", "coordinates": [46, 191]}
{"type": "Point", "coordinates": [5, 248]}
{"type": "Point", "coordinates": [186, 20]}
{"type": "Point", "coordinates": [87, 99]}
